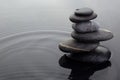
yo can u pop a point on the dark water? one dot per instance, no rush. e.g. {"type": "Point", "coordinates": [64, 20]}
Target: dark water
{"type": "Point", "coordinates": [35, 56]}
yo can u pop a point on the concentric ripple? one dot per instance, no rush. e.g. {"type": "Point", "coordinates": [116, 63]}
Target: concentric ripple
{"type": "Point", "coordinates": [32, 56]}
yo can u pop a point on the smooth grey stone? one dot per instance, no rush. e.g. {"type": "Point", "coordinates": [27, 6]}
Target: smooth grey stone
{"type": "Point", "coordinates": [78, 19]}
{"type": "Point", "coordinates": [85, 27]}
{"type": "Point", "coordinates": [73, 46]}
{"type": "Point", "coordinates": [100, 54]}
{"type": "Point", "coordinates": [66, 62]}
{"type": "Point", "coordinates": [83, 12]}
{"type": "Point", "coordinates": [100, 35]}
{"type": "Point", "coordinates": [81, 70]}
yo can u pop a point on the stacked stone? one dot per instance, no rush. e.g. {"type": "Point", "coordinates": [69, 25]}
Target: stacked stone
{"type": "Point", "coordinates": [81, 71]}
{"type": "Point", "coordinates": [86, 36]}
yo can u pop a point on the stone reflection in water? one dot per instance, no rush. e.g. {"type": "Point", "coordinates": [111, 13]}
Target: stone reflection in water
{"type": "Point", "coordinates": [81, 70]}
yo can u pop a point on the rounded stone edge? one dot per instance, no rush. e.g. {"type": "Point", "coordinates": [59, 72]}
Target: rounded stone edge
{"type": "Point", "coordinates": [68, 49]}
{"type": "Point", "coordinates": [91, 56]}
{"type": "Point", "coordinates": [66, 62]}
{"type": "Point", "coordinates": [76, 19]}
{"type": "Point", "coordinates": [83, 13]}
{"type": "Point", "coordinates": [92, 23]}
{"type": "Point", "coordinates": [83, 40]}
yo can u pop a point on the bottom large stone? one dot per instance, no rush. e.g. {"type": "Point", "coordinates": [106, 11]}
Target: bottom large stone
{"type": "Point", "coordinates": [100, 54]}
{"type": "Point", "coordinates": [81, 70]}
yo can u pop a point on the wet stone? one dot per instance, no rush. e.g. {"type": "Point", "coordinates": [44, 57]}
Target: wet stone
{"type": "Point", "coordinates": [100, 54]}
{"type": "Point", "coordinates": [77, 19]}
{"type": "Point", "coordinates": [86, 36]}
{"type": "Point", "coordinates": [66, 62]}
{"type": "Point", "coordinates": [85, 27]}
{"type": "Point", "coordinates": [83, 12]}
{"type": "Point", "coordinates": [100, 35]}
{"type": "Point", "coordinates": [73, 46]}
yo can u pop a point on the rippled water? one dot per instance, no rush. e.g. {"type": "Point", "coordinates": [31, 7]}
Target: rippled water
{"type": "Point", "coordinates": [35, 56]}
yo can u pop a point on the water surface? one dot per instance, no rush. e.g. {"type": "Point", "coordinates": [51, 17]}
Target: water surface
{"type": "Point", "coordinates": [35, 56]}
{"type": "Point", "coordinates": [26, 53]}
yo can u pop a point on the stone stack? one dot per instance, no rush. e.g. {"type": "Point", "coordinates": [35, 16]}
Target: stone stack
{"type": "Point", "coordinates": [85, 43]}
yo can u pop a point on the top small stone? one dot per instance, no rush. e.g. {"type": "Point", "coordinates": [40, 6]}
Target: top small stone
{"type": "Point", "coordinates": [84, 12]}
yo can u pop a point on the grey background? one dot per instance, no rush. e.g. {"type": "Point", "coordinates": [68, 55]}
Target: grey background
{"type": "Point", "coordinates": [19, 16]}
{"type": "Point", "coordinates": [25, 15]}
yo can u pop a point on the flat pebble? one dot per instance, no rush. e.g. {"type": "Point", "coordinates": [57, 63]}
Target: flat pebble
{"type": "Point", "coordinates": [100, 54]}
{"type": "Point", "coordinates": [77, 19]}
{"type": "Point", "coordinates": [73, 46]}
{"type": "Point", "coordinates": [84, 11]}
{"type": "Point", "coordinates": [100, 35]}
